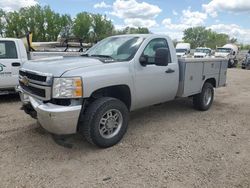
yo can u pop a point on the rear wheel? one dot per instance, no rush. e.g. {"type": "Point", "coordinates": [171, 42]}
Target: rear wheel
{"type": "Point", "coordinates": [105, 122]}
{"type": "Point", "coordinates": [204, 100]}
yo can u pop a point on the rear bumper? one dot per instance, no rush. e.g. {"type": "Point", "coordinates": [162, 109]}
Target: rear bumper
{"type": "Point", "coordinates": [60, 120]}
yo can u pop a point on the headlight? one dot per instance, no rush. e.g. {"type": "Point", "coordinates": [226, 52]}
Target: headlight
{"type": "Point", "coordinates": [67, 88]}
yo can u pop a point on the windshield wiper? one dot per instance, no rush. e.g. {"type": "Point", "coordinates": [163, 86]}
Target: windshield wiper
{"type": "Point", "coordinates": [102, 56]}
{"type": "Point", "coordinates": [85, 55]}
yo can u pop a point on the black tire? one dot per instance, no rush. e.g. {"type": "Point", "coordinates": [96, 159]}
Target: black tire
{"type": "Point", "coordinates": [90, 121]}
{"type": "Point", "coordinates": [235, 63]}
{"type": "Point", "coordinates": [199, 100]}
{"type": "Point", "coordinates": [230, 64]}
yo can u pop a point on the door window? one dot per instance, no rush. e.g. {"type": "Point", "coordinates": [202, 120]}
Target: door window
{"type": "Point", "coordinates": [151, 48]}
{"type": "Point", "coordinates": [8, 50]}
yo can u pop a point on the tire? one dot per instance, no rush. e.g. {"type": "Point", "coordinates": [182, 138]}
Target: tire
{"type": "Point", "coordinates": [204, 100]}
{"type": "Point", "coordinates": [229, 64]}
{"type": "Point", "coordinates": [235, 63]}
{"type": "Point", "coordinates": [114, 115]}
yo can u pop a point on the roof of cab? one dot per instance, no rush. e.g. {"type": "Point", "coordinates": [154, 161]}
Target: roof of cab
{"type": "Point", "coordinates": [9, 39]}
{"type": "Point", "coordinates": [140, 35]}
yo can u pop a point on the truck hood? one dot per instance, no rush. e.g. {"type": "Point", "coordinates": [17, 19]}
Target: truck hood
{"type": "Point", "coordinates": [180, 54]}
{"type": "Point", "coordinates": [200, 54]}
{"type": "Point", "coordinates": [57, 66]}
{"type": "Point", "coordinates": [219, 54]}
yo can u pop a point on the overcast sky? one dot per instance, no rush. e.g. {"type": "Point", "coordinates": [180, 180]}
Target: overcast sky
{"type": "Point", "coordinates": [160, 16]}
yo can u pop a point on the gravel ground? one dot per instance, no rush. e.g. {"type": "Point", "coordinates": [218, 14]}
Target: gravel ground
{"type": "Point", "coordinates": [168, 145]}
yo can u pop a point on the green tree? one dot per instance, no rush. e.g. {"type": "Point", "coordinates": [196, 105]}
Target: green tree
{"type": "Point", "coordinates": [133, 30]}
{"type": "Point", "coordinates": [13, 28]}
{"type": "Point", "coordinates": [102, 27]}
{"type": "Point", "coordinates": [200, 36]}
{"type": "Point", "coordinates": [43, 22]}
{"type": "Point", "coordinates": [196, 36]}
{"type": "Point", "coordinates": [66, 23]}
{"type": "Point", "coordinates": [2, 23]}
{"type": "Point", "coordinates": [82, 25]}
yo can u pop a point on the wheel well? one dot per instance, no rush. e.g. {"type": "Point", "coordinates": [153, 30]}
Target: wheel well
{"type": "Point", "coordinates": [121, 92]}
{"type": "Point", "coordinates": [211, 81]}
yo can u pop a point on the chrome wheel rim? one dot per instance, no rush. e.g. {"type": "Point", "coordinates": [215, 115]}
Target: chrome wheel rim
{"type": "Point", "coordinates": [110, 123]}
{"type": "Point", "coordinates": [208, 96]}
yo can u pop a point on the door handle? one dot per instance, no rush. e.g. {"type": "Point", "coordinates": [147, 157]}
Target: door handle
{"type": "Point", "coordinates": [16, 64]}
{"type": "Point", "coordinates": [170, 71]}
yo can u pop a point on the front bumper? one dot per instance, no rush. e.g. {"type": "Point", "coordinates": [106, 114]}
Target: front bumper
{"type": "Point", "coordinates": [60, 120]}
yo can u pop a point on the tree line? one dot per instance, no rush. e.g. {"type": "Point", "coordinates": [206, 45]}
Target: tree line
{"type": "Point", "coordinates": [202, 37]}
{"type": "Point", "coordinates": [46, 25]}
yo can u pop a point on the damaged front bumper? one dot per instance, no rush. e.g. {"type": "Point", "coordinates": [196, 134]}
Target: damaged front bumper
{"type": "Point", "coordinates": [56, 119]}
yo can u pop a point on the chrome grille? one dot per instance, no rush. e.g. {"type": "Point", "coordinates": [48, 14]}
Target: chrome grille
{"type": "Point", "coordinates": [36, 84]}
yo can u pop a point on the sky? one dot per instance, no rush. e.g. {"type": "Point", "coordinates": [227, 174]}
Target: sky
{"type": "Point", "coordinates": [169, 17]}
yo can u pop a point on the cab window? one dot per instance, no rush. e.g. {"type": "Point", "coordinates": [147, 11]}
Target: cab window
{"type": "Point", "coordinates": [8, 50]}
{"type": "Point", "coordinates": [151, 48]}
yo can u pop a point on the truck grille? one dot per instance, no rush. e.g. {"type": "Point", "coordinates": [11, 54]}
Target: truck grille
{"type": "Point", "coordinates": [36, 84]}
{"type": "Point", "coordinates": [33, 90]}
{"type": "Point", "coordinates": [33, 76]}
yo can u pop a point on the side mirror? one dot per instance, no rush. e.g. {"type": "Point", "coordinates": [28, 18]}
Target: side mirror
{"type": "Point", "coordinates": [162, 57]}
{"type": "Point", "coordinates": [143, 60]}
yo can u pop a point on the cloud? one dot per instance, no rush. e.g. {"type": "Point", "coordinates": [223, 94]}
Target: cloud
{"type": "Point", "coordinates": [12, 5]}
{"type": "Point", "coordinates": [138, 22]}
{"type": "Point", "coordinates": [216, 6]}
{"type": "Point", "coordinates": [233, 30]}
{"type": "Point", "coordinates": [175, 13]}
{"type": "Point", "coordinates": [102, 5]}
{"type": "Point", "coordinates": [194, 18]}
{"type": "Point", "coordinates": [136, 14]}
{"type": "Point", "coordinates": [172, 34]}
{"type": "Point", "coordinates": [188, 19]}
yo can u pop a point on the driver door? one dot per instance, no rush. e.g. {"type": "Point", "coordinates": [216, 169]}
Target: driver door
{"type": "Point", "coordinates": [155, 84]}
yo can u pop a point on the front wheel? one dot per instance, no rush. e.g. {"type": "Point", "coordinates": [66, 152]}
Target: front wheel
{"type": "Point", "coordinates": [105, 122]}
{"type": "Point", "coordinates": [204, 100]}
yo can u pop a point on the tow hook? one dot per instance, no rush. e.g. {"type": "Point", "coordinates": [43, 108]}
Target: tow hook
{"type": "Point", "coordinates": [28, 109]}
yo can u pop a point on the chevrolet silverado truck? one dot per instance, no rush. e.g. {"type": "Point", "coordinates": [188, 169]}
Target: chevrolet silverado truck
{"type": "Point", "coordinates": [93, 94]}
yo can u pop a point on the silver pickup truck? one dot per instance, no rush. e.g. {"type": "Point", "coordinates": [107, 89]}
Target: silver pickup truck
{"type": "Point", "coordinates": [93, 94]}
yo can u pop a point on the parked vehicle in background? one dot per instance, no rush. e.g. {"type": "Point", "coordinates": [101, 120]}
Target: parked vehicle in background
{"type": "Point", "coordinates": [202, 52]}
{"type": "Point", "coordinates": [182, 49]}
{"type": "Point", "coordinates": [246, 62]}
{"type": "Point", "coordinates": [230, 52]}
{"type": "Point", "coordinates": [13, 54]}
{"type": "Point", "coordinates": [93, 94]}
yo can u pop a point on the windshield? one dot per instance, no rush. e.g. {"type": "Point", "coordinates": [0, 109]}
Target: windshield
{"type": "Point", "coordinates": [181, 50]}
{"type": "Point", "coordinates": [223, 50]}
{"type": "Point", "coordinates": [116, 48]}
{"type": "Point", "coordinates": [200, 50]}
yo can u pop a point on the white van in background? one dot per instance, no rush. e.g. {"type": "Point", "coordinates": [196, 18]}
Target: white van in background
{"type": "Point", "coordinates": [182, 49]}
